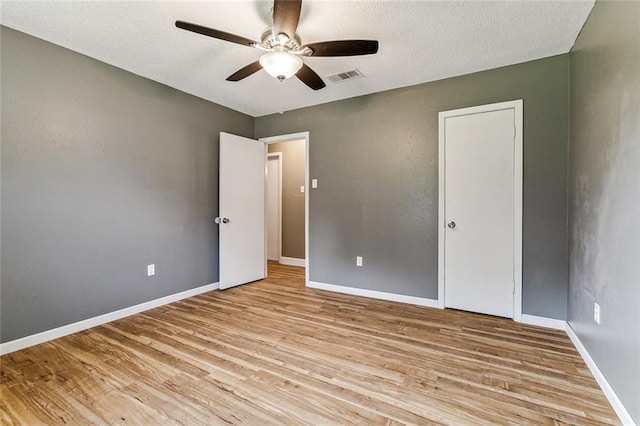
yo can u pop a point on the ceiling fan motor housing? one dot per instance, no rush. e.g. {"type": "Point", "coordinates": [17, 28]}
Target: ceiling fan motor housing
{"type": "Point", "coordinates": [271, 41]}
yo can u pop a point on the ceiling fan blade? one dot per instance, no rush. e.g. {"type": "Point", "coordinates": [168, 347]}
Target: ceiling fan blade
{"type": "Point", "coordinates": [221, 35]}
{"type": "Point", "coordinates": [310, 78]}
{"type": "Point", "coordinates": [344, 48]}
{"type": "Point", "coordinates": [286, 14]}
{"type": "Point", "coordinates": [245, 71]}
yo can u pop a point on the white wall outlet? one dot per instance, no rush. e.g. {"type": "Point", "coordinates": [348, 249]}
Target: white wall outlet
{"type": "Point", "coordinates": [302, 188]}
{"type": "Point", "coordinates": [314, 183]}
{"type": "Point", "coordinates": [358, 260]}
{"type": "Point", "coordinates": [596, 312]}
{"type": "Point", "coordinates": [151, 269]}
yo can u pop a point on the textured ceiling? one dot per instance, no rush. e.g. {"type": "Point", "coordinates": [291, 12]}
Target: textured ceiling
{"type": "Point", "coordinates": [420, 41]}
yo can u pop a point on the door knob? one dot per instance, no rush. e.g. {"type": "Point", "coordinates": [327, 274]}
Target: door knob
{"type": "Point", "coordinates": [451, 224]}
{"type": "Point", "coordinates": [225, 220]}
{"type": "Point", "coordinates": [218, 220]}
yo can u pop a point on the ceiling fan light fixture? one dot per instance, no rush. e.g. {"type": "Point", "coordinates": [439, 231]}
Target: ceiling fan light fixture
{"type": "Point", "coordinates": [280, 64]}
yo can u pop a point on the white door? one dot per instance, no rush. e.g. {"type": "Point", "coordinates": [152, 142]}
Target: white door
{"type": "Point", "coordinates": [479, 215]}
{"type": "Point", "coordinates": [241, 202]}
{"type": "Point", "coordinates": [273, 206]}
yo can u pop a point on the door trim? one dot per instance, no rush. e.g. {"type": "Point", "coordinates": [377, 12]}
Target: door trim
{"type": "Point", "coordinates": [290, 137]}
{"type": "Point", "coordinates": [517, 106]}
{"type": "Point", "coordinates": [278, 155]}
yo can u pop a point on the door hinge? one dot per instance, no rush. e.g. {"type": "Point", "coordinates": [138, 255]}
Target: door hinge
{"type": "Point", "coordinates": [514, 133]}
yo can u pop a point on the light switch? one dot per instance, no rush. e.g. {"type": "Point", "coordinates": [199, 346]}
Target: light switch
{"type": "Point", "coordinates": [302, 188]}
{"type": "Point", "coordinates": [151, 270]}
{"type": "Point", "coordinates": [314, 183]}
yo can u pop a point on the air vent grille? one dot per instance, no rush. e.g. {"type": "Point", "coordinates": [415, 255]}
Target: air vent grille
{"type": "Point", "coordinates": [345, 75]}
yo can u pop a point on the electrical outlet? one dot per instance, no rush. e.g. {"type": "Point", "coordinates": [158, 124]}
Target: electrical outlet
{"type": "Point", "coordinates": [358, 260]}
{"type": "Point", "coordinates": [596, 313]}
{"type": "Point", "coordinates": [151, 269]}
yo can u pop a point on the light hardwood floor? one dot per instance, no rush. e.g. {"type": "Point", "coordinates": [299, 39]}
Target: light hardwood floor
{"type": "Point", "coordinates": [274, 352]}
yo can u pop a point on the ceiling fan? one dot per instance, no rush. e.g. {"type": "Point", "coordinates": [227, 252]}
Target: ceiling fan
{"type": "Point", "coordinates": [283, 47]}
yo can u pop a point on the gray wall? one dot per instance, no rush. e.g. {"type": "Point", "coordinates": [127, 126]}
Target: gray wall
{"type": "Point", "coordinates": [376, 160]}
{"type": "Point", "coordinates": [604, 194]}
{"type": "Point", "coordinates": [293, 174]}
{"type": "Point", "coordinates": [102, 172]}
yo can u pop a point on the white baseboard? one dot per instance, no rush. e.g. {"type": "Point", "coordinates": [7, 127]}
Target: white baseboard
{"type": "Point", "coordinates": [45, 336]}
{"type": "Point", "coordinates": [556, 324]}
{"type": "Point", "coordinates": [293, 261]}
{"type": "Point", "coordinates": [615, 402]}
{"type": "Point", "coordinates": [421, 301]}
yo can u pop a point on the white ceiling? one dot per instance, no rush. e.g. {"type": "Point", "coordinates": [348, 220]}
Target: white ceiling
{"type": "Point", "coordinates": [420, 41]}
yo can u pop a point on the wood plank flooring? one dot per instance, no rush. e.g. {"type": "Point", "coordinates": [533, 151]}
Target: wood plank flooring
{"type": "Point", "coordinates": [275, 352]}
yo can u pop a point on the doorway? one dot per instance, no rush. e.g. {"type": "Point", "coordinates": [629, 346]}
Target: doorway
{"type": "Point", "coordinates": [287, 229]}
{"type": "Point", "coordinates": [480, 209]}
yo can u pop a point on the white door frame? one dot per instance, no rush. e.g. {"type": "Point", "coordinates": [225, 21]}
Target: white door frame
{"type": "Point", "coordinates": [278, 155]}
{"type": "Point", "coordinates": [291, 137]}
{"type": "Point", "coordinates": [516, 105]}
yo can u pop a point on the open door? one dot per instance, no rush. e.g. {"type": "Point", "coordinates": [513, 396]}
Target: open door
{"type": "Point", "coordinates": [241, 206]}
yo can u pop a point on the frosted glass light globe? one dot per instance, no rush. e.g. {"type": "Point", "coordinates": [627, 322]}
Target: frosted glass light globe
{"type": "Point", "coordinates": [280, 65]}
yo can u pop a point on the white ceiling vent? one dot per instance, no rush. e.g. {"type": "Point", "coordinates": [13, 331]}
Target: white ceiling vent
{"type": "Point", "coordinates": [345, 75]}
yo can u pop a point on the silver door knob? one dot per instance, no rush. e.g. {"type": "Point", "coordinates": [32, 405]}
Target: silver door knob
{"type": "Point", "coordinates": [218, 220]}
{"type": "Point", "coordinates": [451, 224]}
